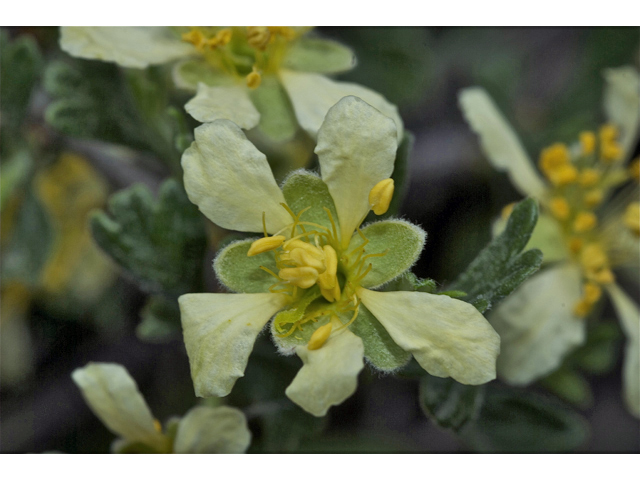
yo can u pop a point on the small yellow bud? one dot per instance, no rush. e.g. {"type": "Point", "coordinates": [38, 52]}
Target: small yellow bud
{"type": "Point", "coordinates": [593, 197]}
{"type": "Point", "coordinates": [587, 142]}
{"type": "Point", "coordinates": [506, 211]}
{"type": "Point", "coordinates": [589, 177]}
{"type": "Point", "coordinates": [631, 217]}
{"type": "Point", "coordinates": [563, 175]}
{"type": "Point", "coordinates": [265, 244]}
{"type": "Point", "coordinates": [584, 222]}
{"type": "Point", "coordinates": [319, 337]}
{"type": "Point", "coordinates": [554, 156]}
{"type": "Point", "coordinates": [559, 208]}
{"type": "Point", "coordinates": [303, 277]}
{"type": "Point", "coordinates": [380, 196]}
{"type": "Point", "coordinates": [254, 79]}
{"type": "Point", "coordinates": [592, 292]}
{"type": "Point", "coordinates": [634, 169]}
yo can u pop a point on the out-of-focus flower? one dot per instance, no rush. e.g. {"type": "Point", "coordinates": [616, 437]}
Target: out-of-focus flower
{"type": "Point", "coordinates": [318, 268]}
{"type": "Point", "coordinates": [271, 77]}
{"type": "Point", "coordinates": [585, 231]}
{"type": "Point", "coordinates": [114, 397]}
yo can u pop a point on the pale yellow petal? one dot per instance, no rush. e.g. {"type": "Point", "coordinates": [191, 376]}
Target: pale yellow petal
{"type": "Point", "coordinates": [219, 332]}
{"type": "Point", "coordinates": [622, 103]}
{"type": "Point", "coordinates": [499, 141]}
{"type": "Point", "coordinates": [329, 375]}
{"type": "Point", "coordinates": [537, 326]}
{"type": "Point", "coordinates": [114, 397]}
{"type": "Point", "coordinates": [136, 47]}
{"type": "Point", "coordinates": [448, 337]}
{"type": "Point", "coordinates": [212, 430]}
{"type": "Point", "coordinates": [231, 181]}
{"type": "Point", "coordinates": [629, 316]}
{"type": "Point", "coordinates": [312, 95]}
{"type": "Point", "coordinates": [232, 103]}
{"type": "Point", "coordinates": [356, 150]}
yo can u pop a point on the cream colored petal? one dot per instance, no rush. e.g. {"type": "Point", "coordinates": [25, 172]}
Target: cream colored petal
{"type": "Point", "coordinates": [537, 326]}
{"type": "Point", "coordinates": [219, 332]}
{"type": "Point", "coordinates": [499, 142]}
{"type": "Point", "coordinates": [448, 337]}
{"type": "Point", "coordinates": [136, 47]}
{"type": "Point", "coordinates": [329, 375]}
{"type": "Point", "coordinates": [212, 430]}
{"type": "Point", "coordinates": [356, 150]}
{"type": "Point", "coordinates": [312, 95]}
{"type": "Point", "coordinates": [629, 316]}
{"type": "Point", "coordinates": [114, 397]}
{"type": "Point", "coordinates": [622, 103]}
{"type": "Point", "coordinates": [232, 103]}
{"type": "Point", "coordinates": [231, 181]}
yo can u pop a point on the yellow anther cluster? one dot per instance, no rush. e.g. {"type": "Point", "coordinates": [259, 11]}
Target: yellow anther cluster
{"type": "Point", "coordinates": [560, 208]}
{"type": "Point", "coordinates": [587, 142]}
{"type": "Point", "coordinates": [258, 37]}
{"type": "Point", "coordinates": [202, 41]}
{"type": "Point", "coordinates": [631, 218]}
{"type": "Point", "coordinates": [593, 198]}
{"type": "Point", "coordinates": [584, 222]}
{"type": "Point", "coordinates": [610, 150]}
{"type": "Point", "coordinates": [596, 268]}
{"type": "Point", "coordinates": [380, 196]}
{"type": "Point", "coordinates": [555, 163]}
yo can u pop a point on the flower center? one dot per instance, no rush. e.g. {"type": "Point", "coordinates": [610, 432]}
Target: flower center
{"type": "Point", "coordinates": [581, 179]}
{"type": "Point", "coordinates": [243, 52]}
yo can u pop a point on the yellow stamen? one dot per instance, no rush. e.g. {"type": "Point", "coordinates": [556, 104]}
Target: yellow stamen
{"type": "Point", "coordinates": [584, 222]}
{"type": "Point", "coordinates": [589, 177]}
{"type": "Point", "coordinates": [592, 292]}
{"type": "Point", "coordinates": [587, 142]}
{"type": "Point", "coordinates": [258, 37]}
{"type": "Point", "coordinates": [608, 133]}
{"type": "Point", "coordinates": [302, 258]}
{"type": "Point", "coordinates": [554, 156]}
{"type": "Point", "coordinates": [582, 308]}
{"type": "Point", "coordinates": [224, 36]}
{"type": "Point", "coordinates": [320, 336]}
{"type": "Point", "coordinates": [303, 277]}
{"type": "Point", "coordinates": [631, 217]}
{"type": "Point", "coordinates": [265, 244]}
{"type": "Point", "coordinates": [559, 208]}
{"type": "Point", "coordinates": [506, 211]}
{"type": "Point", "coordinates": [328, 279]}
{"type": "Point", "coordinates": [593, 257]}
{"type": "Point", "coordinates": [604, 277]}
{"type": "Point", "coordinates": [610, 152]}
{"type": "Point", "coordinates": [196, 38]}
{"type": "Point", "coordinates": [563, 175]}
{"type": "Point", "coordinates": [254, 79]}
{"type": "Point", "coordinates": [593, 197]}
{"type": "Point", "coordinates": [380, 196]}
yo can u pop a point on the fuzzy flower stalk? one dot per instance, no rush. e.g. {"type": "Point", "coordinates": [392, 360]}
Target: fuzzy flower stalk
{"type": "Point", "coordinates": [314, 271]}
{"type": "Point", "coordinates": [589, 227]}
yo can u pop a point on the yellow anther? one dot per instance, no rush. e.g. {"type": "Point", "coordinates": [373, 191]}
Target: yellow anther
{"type": "Point", "coordinates": [592, 292]}
{"type": "Point", "coordinates": [589, 177]}
{"type": "Point", "coordinates": [306, 246]}
{"type": "Point", "coordinates": [554, 156]}
{"type": "Point", "coordinates": [593, 197]}
{"type": "Point", "coordinates": [380, 196]}
{"type": "Point", "coordinates": [265, 244]}
{"type": "Point", "coordinates": [575, 244]}
{"type": "Point", "coordinates": [331, 294]}
{"type": "Point", "coordinates": [584, 222]}
{"type": "Point", "coordinates": [587, 142]}
{"type": "Point", "coordinates": [559, 208]}
{"type": "Point", "coordinates": [223, 36]}
{"type": "Point", "coordinates": [320, 336]}
{"type": "Point", "coordinates": [631, 217]}
{"type": "Point", "coordinates": [157, 425]}
{"type": "Point", "coordinates": [506, 211]}
{"type": "Point", "coordinates": [593, 257]}
{"type": "Point", "coordinates": [328, 279]}
{"type": "Point", "coordinates": [604, 277]}
{"type": "Point", "coordinates": [254, 79]}
{"type": "Point", "coordinates": [634, 169]}
{"type": "Point", "coordinates": [303, 277]}
{"type": "Point", "coordinates": [196, 38]}
{"type": "Point", "coordinates": [303, 258]}
{"type": "Point", "coordinates": [258, 37]}
{"type": "Point", "coordinates": [608, 133]}
{"type": "Point", "coordinates": [562, 175]}
{"type": "Point", "coordinates": [610, 152]}
{"type": "Point", "coordinates": [582, 308]}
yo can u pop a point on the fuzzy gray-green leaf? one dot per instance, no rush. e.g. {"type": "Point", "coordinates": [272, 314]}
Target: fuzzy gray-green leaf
{"type": "Point", "coordinates": [243, 274]}
{"type": "Point", "coordinates": [304, 189]}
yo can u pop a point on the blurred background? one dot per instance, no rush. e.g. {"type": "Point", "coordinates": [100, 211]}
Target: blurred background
{"type": "Point", "coordinates": [65, 303]}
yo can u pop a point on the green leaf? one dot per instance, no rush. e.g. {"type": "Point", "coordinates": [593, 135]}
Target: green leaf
{"type": "Point", "coordinates": [160, 242]}
{"type": "Point", "coordinates": [310, 54]}
{"type": "Point", "coordinates": [240, 273]}
{"type": "Point", "coordinates": [511, 422]}
{"type": "Point", "coordinates": [15, 171]}
{"type": "Point", "coordinates": [570, 386]}
{"type": "Point", "coordinates": [500, 268]}
{"type": "Point", "coordinates": [73, 116]}
{"type": "Point", "coordinates": [379, 348]}
{"type": "Point", "coordinates": [160, 320]}
{"type": "Point", "coordinates": [303, 189]}
{"type": "Point", "coordinates": [20, 69]}
{"type": "Point", "coordinates": [402, 241]}
{"type": "Point", "coordinates": [277, 119]}
{"type": "Point", "coordinates": [449, 403]}
{"type": "Point", "coordinates": [27, 249]}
